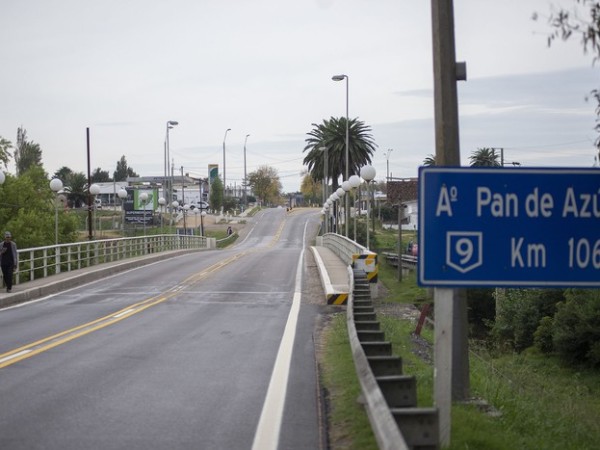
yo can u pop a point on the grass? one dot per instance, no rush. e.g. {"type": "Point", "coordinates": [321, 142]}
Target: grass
{"type": "Point", "coordinates": [349, 425]}
{"type": "Point", "coordinates": [542, 404]}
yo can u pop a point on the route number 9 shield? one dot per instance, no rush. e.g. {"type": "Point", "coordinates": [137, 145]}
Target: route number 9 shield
{"type": "Point", "coordinates": [464, 250]}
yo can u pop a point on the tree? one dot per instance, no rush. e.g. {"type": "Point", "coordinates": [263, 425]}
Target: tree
{"type": "Point", "coordinates": [484, 157]}
{"type": "Point", "coordinates": [568, 23]}
{"type": "Point", "coordinates": [429, 161]}
{"type": "Point", "coordinates": [123, 170]}
{"type": "Point", "coordinates": [5, 146]}
{"type": "Point", "coordinates": [27, 154]}
{"type": "Point", "coordinates": [265, 184]}
{"type": "Point", "coordinates": [216, 194]}
{"type": "Point", "coordinates": [76, 186]}
{"type": "Point", "coordinates": [63, 174]}
{"type": "Point", "coordinates": [311, 190]}
{"type": "Point", "coordinates": [332, 134]}
{"type": "Point", "coordinates": [100, 176]}
{"type": "Point", "coordinates": [27, 210]}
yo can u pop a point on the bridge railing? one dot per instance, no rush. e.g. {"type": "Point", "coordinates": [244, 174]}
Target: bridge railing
{"type": "Point", "coordinates": [41, 262]}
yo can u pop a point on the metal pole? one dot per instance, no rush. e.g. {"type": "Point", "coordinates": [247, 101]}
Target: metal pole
{"type": "Point", "coordinates": [56, 219]}
{"type": "Point", "coordinates": [347, 212]}
{"type": "Point", "coordinates": [245, 179]}
{"type": "Point", "coordinates": [183, 201]}
{"type": "Point", "coordinates": [89, 196]}
{"type": "Point", "coordinates": [224, 165]}
{"type": "Point", "coordinates": [368, 210]}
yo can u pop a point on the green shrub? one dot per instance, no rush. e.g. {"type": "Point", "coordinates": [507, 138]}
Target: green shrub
{"type": "Point", "coordinates": [519, 312]}
{"type": "Point", "coordinates": [576, 330]}
{"type": "Point", "coordinates": [542, 337]}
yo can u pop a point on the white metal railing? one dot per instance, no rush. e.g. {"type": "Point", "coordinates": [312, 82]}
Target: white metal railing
{"type": "Point", "coordinates": [40, 262]}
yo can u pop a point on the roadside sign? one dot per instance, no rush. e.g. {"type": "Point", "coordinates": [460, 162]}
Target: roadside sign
{"type": "Point", "coordinates": [510, 227]}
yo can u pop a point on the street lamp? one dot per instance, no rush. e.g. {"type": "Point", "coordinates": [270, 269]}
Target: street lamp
{"type": "Point", "coordinates": [162, 202]}
{"type": "Point", "coordinates": [144, 199]}
{"type": "Point", "coordinates": [202, 215]}
{"type": "Point", "coordinates": [94, 190]}
{"type": "Point", "coordinates": [122, 195]}
{"type": "Point", "coordinates": [368, 173]}
{"type": "Point", "coordinates": [167, 174]}
{"type": "Point", "coordinates": [387, 155]}
{"type": "Point", "coordinates": [186, 208]}
{"type": "Point", "coordinates": [56, 185]}
{"type": "Point", "coordinates": [347, 172]}
{"type": "Point", "coordinates": [346, 187]}
{"type": "Point", "coordinates": [224, 164]}
{"type": "Point", "coordinates": [354, 181]}
{"type": "Point", "coordinates": [340, 193]}
{"type": "Point", "coordinates": [245, 179]}
{"type": "Point", "coordinates": [174, 207]}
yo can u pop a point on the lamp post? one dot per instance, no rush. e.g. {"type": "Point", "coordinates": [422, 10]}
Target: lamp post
{"type": "Point", "coordinates": [56, 185]}
{"type": "Point", "coordinates": [335, 198]}
{"type": "Point", "coordinates": [202, 215]}
{"type": "Point", "coordinates": [224, 164]}
{"type": "Point", "coordinates": [367, 173]}
{"type": "Point", "coordinates": [245, 179]}
{"type": "Point", "coordinates": [347, 171]}
{"type": "Point", "coordinates": [340, 193]}
{"type": "Point", "coordinates": [186, 208]}
{"type": "Point", "coordinates": [166, 190]}
{"type": "Point", "coordinates": [162, 202]}
{"type": "Point", "coordinates": [122, 195]}
{"type": "Point", "coordinates": [144, 199]}
{"type": "Point", "coordinates": [387, 156]}
{"type": "Point", "coordinates": [354, 181]}
{"type": "Point", "coordinates": [94, 190]}
{"type": "Point", "coordinates": [174, 207]}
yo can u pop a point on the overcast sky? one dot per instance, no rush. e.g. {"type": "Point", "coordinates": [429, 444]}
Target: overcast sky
{"type": "Point", "coordinates": [124, 68]}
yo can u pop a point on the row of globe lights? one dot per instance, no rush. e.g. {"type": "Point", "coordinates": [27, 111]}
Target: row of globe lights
{"type": "Point", "coordinates": [367, 173]}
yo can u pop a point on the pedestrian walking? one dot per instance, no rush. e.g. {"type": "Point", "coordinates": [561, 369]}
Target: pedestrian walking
{"type": "Point", "coordinates": [9, 260]}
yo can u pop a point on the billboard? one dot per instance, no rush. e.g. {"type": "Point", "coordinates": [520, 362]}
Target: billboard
{"type": "Point", "coordinates": [213, 172]}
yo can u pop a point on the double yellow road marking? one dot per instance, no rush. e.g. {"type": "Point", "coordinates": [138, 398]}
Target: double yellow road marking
{"type": "Point", "coordinates": [47, 343]}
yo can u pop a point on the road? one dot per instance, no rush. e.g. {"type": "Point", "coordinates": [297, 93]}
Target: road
{"type": "Point", "coordinates": [212, 350]}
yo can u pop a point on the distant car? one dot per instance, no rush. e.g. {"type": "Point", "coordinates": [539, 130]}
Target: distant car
{"type": "Point", "coordinates": [199, 205]}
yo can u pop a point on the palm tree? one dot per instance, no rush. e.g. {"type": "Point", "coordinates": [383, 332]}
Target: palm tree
{"type": "Point", "coordinates": [429, 160]}
{"type": "Point", "coordinates": [484, 157]}
{"type": "Point", "coordinates": [332, 134]}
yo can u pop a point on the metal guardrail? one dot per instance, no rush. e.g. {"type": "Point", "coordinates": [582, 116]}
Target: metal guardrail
{"type": "Point", "coordinates": [408, 261]}
{"type": "Point", "coordinates": [41, 262]}
{"type": "Point", "coordinates": [390, 397]}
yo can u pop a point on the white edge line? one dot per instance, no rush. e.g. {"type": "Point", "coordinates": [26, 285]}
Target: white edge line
{"type": "Point", "coordinates": [269, 424]}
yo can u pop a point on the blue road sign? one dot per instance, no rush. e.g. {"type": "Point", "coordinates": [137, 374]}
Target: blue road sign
{"type": "Point", "coordinates": [506, 227]}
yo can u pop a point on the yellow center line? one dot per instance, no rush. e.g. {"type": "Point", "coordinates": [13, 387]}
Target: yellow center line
{"type": "Point", "coordinates": [47, 343]}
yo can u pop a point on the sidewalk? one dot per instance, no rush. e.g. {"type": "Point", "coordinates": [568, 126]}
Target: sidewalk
{"type": "Point", "coordinates": [334, 275]}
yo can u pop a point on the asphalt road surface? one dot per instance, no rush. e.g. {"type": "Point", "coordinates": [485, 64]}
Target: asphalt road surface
{"type": "Point", "coordinates": [212, 350]}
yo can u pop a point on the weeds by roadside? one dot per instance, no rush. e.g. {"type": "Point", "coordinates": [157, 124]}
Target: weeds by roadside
{"type": "Point", "coordinates": [524, 401]}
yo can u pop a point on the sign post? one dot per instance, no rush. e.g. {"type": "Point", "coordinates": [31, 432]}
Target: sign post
{"type": "Point", "coordinates": [503, 227]}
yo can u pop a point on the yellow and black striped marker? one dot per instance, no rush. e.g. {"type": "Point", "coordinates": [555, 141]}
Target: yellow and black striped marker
{"type": "Point", "coordinates": [337, 299]}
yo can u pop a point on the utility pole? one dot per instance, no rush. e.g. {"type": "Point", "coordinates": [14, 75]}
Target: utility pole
{"type": "Point", "coordinates": [451, 345]}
